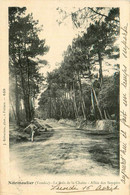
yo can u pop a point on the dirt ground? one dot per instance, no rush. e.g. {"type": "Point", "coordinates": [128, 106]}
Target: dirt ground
{"type": "Point", "coordinates": [67, 150]}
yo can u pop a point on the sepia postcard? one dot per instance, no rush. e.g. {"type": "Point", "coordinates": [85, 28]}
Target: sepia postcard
{"type": "Point", "coordinates": [65, 97]}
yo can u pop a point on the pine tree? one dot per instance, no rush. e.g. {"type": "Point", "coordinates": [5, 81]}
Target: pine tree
{"type": "Point", "coordinates": [24, 47]}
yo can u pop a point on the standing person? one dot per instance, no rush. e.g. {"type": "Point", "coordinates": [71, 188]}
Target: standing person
{"type": "Point", "coordinates": [33, 128]}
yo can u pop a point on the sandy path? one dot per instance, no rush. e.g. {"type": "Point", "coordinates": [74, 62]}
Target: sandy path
{"type": "Point", "coordinates": [66, 152]}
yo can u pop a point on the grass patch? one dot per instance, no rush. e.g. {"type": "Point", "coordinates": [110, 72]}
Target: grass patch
{"type": "Point", "coordinates": [107, 151]}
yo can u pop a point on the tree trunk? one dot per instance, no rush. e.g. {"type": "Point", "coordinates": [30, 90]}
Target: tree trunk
{"type": "Point", "coordinates": [17, 101]}
{"type": "Point", "coordinates": [108, 114]}
{"type": "Point", "coordinates": [105, 115]}
{"type": "Point", "coordinates": [100, 68]}
{"type": "Point", "coordinates": [81, 97]}
{"type": "Point", "coordinates": [25, 94]}
{"type": "Point", "coordinates": [30, 105]}
{"type": "Point", "coordinates": [16, 94]}
{"type": "Point", "coordinates": [13, 109]}
{"type": "Point", "coordinates": [50, 107]}
{"type": "Point", "coordinates": [97, 104]}
{"type": "Point", "coordinates": [27, 108]}
{"type": "Point", "coordinates": [92, 101]}
{"type": "Point", "coordinates": [74, 102]}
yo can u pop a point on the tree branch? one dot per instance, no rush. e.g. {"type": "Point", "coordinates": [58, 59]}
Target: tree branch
{"type": "Point", "coordinates": [103, 15]}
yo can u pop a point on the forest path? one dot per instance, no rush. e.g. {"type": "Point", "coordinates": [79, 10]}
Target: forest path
{"type": "Point", "coordinates": [65, 152]}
